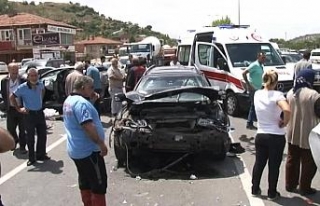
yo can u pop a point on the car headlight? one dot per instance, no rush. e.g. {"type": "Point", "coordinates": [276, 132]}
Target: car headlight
{"type": "Point", "coordinates": [205, 122]}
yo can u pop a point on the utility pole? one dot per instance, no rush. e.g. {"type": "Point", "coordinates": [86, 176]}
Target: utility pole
{"type": "Point", "coordinates": [238, 12]}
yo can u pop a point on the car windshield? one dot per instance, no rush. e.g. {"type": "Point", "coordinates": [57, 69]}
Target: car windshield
{"type": "Point", "coordinates": [242, 55]}
{"type": "Point", "coordinates": [140, 48]}
{"type": "Point", "coordinates": [315, 54]}
{"type": "Point", "coordinates": [295, 57]}
{"type": "Point", "coordinates": [154, 84]}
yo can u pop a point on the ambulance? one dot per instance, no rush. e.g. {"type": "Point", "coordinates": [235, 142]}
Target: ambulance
{"type": "Point", "coordinates": [222, 53]}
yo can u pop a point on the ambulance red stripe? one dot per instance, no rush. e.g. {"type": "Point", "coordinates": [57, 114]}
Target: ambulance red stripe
{"type": "Point", "coordinates": [224, 78]}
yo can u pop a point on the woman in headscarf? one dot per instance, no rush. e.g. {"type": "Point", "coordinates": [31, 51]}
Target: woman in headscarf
{"type": "Point", "coordinates": [302, 99]}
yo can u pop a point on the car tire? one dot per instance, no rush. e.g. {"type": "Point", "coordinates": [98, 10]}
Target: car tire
{"type": "Point", "coordinates": [119, 151]}
{"type": "Point", "coordinates": [232, 104]}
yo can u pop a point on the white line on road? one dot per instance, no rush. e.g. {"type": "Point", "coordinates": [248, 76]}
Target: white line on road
{"type": "Point", "coordinates": [18, 169]}
{"type": "Point", "coordinates": [245, 178]}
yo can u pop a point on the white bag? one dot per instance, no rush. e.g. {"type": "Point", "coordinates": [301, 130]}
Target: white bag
{"type": "Point", "coordinates": [314, 141]}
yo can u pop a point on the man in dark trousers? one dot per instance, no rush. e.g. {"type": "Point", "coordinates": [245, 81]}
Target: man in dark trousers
{"type": "Point", "coordinates": [31, 93]}
{"type": "Point", "coordinates": [8, 85]}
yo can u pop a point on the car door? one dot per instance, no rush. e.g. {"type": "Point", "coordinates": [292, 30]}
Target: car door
{"type": "Point", "coordinates": [213, 63]}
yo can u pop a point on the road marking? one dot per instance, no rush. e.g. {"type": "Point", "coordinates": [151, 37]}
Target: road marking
{"type": "Point", "coordinates": [246, 178]}
{"type": "Point", "coordinates": [21, 167]}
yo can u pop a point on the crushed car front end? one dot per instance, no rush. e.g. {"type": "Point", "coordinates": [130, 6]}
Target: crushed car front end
{"type": "Point", "coordinates": [174, 126]}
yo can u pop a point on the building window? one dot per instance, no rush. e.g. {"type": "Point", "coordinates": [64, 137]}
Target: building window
{"type": "Point", "coordinates": [6, 35]}
{"type": "Point", "coordinates": [40, 31]}
{"type": "Point", "coordinates": [24, 34]}
{"type": "Point", "coordinates": [66, 39]}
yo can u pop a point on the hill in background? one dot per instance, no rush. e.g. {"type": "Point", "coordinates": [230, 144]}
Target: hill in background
{"type": "Point", "coordinates": [86, 18]}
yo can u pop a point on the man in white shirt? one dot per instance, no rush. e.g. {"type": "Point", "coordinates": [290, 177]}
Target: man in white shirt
{"type": "Point", "coordinates": [14, 118]}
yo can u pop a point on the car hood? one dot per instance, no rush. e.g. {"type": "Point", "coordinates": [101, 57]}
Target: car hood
{"type": "Point", "coordinates": [209, 92]}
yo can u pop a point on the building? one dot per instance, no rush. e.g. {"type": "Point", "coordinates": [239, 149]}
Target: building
{"type": "Point", "coordinates": [24, 35]}
{"type": "Point", "coordinates": [94, 47]}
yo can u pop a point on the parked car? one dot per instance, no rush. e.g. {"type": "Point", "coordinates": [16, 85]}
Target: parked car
{"type": "Point", "coordinates": [171, 109]}
{"type": "Point", "coordinates": [41, 70]}
{"type": "Point", "coordinates": [51, 62]}
{"type": "Point", "coordinates": [54, 82]}
{"type": "Point", "coordinates": [3, 67]}
{"type": "Point", "coordinates": [25, 60]}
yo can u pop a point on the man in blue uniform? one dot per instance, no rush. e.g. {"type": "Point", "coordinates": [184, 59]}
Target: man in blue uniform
{"type": "Point", "coordinates": [85, 142]}
{"type": "Point", "coordinates": [31, 93]}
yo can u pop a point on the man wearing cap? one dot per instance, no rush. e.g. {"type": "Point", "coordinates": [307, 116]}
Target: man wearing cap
{"type": "Point", "coordinates": [31, 93]}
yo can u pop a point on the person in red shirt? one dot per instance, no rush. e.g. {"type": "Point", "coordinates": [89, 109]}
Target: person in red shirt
{"type": "Point", "coordinates": [135, 73]}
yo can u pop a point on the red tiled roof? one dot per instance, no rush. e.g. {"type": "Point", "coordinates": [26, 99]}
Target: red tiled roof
{"type": "Point", "coordinates": [98, 40]}
{"type": "Point", "coordinates": [22, 19]}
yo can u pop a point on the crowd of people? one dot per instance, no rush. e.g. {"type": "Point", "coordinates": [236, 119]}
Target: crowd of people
{"type": "Point", "coordinates": [282, 119]}
{"type": "Point", "coordinates": [81, 113]}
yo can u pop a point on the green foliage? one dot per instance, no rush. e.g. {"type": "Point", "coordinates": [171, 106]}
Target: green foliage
{"type": "Point", "coordinates": [86, 18]}
{"type": "Point", "coordinates": [222, 21]}
{"type": "Point", "coordinates": [299, 43]}
{"type": "Point", "coordinates": [6, 7]}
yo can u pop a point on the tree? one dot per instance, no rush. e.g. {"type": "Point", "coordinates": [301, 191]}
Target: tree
{"type": "Point", "coordinates": [222, 21]}
{"type": "Point", "coordinates": [132, 39]}
{"type": "Point", "coordinates": [149, 27]}
{"type": "Point", "coordinates": [6, 7]}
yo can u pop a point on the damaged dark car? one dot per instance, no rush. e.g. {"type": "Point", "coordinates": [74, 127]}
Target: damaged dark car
{"type": "Point", "coordinates": [171, 110]}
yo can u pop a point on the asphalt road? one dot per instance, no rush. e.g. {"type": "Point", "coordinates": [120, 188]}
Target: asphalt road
{"type": "Point", "coordinates": [227, 183]}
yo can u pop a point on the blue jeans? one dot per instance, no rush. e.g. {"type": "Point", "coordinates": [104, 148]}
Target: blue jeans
{"type": "Point", "coordinates": [252, 112]}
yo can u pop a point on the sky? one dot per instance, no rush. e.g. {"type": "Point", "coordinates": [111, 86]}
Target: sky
{"type": "Point", "coordinates": [273, 18]}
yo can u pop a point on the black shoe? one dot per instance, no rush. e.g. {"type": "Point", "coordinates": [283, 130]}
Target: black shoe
{"type": "Point", "coordinates": [256, 193]}
{"type": "Point", "coordinates": [31, 162]}
{"type": "Point", "coordinates": [251, 127]}
{"type": "Point", "coordinates": [274, 196]}
{"type": "Point", "coordinates": [44, 158]}
{"type": "Point", "coordinates": [310, 191]}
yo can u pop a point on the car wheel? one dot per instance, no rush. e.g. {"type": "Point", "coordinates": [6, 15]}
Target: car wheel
{"type": "Point", "coordinates": [232, 104]}
{"type": "Point", "coordinates": [222, 155]}
{"type": "Point", "coordinates": [119, 151]}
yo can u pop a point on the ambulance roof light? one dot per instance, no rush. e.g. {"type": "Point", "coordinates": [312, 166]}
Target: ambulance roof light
{"type": "Point", "coordinates": [231, 26]}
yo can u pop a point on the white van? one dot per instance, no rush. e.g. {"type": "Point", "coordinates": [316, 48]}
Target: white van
{"type": "Point", "coordinates": [315, 56]}
{"type": "Point", "coordinates": [223, 52]}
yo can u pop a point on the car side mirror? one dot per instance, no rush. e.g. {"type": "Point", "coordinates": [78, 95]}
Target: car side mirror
{"type": "Point", "coordinates": [222, 64]}
{"type": "Point", "coordinates": [120, 97]}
